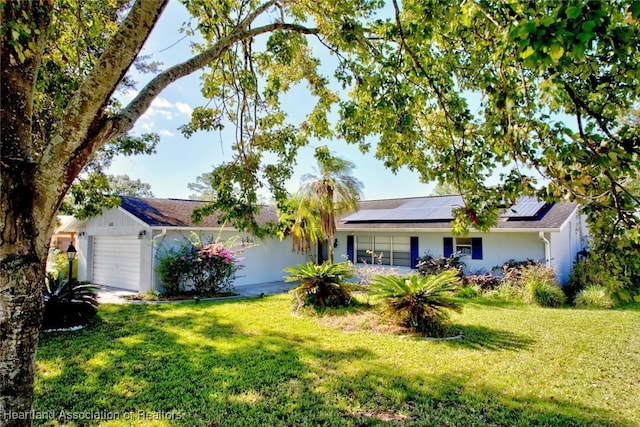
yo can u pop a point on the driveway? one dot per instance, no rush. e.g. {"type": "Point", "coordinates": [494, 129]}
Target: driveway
{"type": "Point", "coordinates": [109, 295]}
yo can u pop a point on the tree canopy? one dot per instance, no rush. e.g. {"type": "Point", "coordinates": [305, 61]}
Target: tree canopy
{"type": "Point", "coordinates": [203, 187]}
{"type": "Point", "coordinates": [554, 82]}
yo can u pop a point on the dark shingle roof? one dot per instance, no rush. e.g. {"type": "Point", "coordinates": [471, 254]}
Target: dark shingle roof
{"type": "Point", "coordinates": [177, 212]}
{"type": "Point", "coordinates": [435, 213]}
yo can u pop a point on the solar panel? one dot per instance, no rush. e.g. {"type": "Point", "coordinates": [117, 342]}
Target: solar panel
{"type": "Point", "coordinates": [526, 207]}
{"type": "Point", "coordinates": [440, 209]}
{"type": "Point", "coordinates": [432, 209]}
{"type": "Point", "coordinates": [368, 215]}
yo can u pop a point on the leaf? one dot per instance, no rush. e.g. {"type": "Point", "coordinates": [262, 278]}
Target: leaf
{"type": "Point", "coordinates": [573, 12]}
{"type": "Point", "coordinates": [634, 8]}
{"type": "Point", "coordinates": [527, 53]}
{"type": "Point", "coordinates": [556, 52]}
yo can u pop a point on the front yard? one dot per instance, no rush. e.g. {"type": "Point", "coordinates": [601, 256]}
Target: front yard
{"type": "Point", "coordinates": [251, 363]}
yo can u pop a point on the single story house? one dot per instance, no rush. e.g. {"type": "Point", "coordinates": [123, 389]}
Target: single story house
{"type": "Point", "coordinates": [120, 247]}
{"type": "Point", "coordinates": [403, 229]}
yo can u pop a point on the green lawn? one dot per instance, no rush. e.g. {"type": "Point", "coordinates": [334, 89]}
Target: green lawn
{"type": "Point", "coordinates": [251, 363]}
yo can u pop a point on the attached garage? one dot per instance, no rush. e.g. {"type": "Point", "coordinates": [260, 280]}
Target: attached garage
{"type": "Point", "coordinates": [121, 247]}
{"type": "Point", "coordinates": [116, 261]}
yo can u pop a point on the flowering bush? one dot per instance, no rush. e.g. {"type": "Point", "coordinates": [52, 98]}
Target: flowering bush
{"type": "Point", "coordinates": [205, 269]}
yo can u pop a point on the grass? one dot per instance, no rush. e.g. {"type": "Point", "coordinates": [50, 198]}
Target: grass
{"type": "Point", "coordinates": [251, 363]}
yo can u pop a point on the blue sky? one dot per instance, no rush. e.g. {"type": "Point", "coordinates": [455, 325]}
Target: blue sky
{"type": "Point", "coordinates": [178, 161]}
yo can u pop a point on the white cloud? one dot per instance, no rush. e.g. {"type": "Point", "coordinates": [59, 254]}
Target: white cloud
{"type": "Point", "coordinates": [167, 115]}
{"type": "Point", "coordinates": [128, 94]}
{"type": "Point", "coordinates": [146, 125]}
{"type": "Point", "coordinates": [166, 132]}
{"type": "Point", "coordinates": [184, 108]}
{"type": "Point", "coordinates": [160, 102]}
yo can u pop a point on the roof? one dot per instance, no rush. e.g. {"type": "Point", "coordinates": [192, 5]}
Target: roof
{"type": "Point", "coordinates": [177, 212]}
{"type": "Point", "coordinates": [435, 212]}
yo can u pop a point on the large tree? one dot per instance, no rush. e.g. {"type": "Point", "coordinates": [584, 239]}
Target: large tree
{"type": "Point", "coordinates": [122, 185]}
{"type": "Point", "coordinates": [59, 73]}
{"type": "Point", "coordinates": [202, 188]}
{"type": "Point", "coordinates": [532, 65]}
{"type": "Point", "coordinates": [502, 99]}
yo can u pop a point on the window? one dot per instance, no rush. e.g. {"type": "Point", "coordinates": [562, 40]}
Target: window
{"type": "Point", "coordinates": [385, 250]}
{"type": "Point", "coordinates": [464, 245]}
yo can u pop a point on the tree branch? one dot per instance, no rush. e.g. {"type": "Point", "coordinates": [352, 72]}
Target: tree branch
{"type": "Point", "coordinates": [125, 120]}
{"type": "Point", "coordinates": [96, 90]}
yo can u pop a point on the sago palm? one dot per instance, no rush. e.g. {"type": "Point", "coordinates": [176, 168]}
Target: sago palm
{"type": "Point", "coordinates": [419, 302]}
{"type": "Point", "coordinates": [68, 302]}
{"type": "Point", "coordinates": [320, 285]}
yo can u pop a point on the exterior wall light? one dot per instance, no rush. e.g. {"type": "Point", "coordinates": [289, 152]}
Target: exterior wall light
{"type": "Point", "coordinates": [71, 255]}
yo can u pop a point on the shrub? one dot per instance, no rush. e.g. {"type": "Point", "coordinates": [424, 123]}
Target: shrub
{"type": "Point", "coordinates": [594, 296]}
{"type": "Point", "coordinates": [506, 291]}
{"type": "Point", "coordinates": [429, 264]}
{"type": "Point", "coordinates": [172, 271]}
{"type": "Point", "coordinates": [484, 282]}
{"type": "Point", "coordinates": [512, 264]}
{"type": "Point", "coordinates": [585, 273]}
{"type": "Point", "coordinates": [68, 303]}
{"type": "Point", "coordinates": [544, 293]}
{"type": "Point", "coordinates": [205, 269]}
{"type": "Point", "coordinates": [469, 291]}
{"type": "Point", "coordinates": [419, 302]}
{"type": "Point", "coordinates": [517, 273]}
{"type": "Point", "coordinates": [531, 282]}
{"type": "Point", "coordinates": [58, 263]}
{"type": "Point", "coordinates": [320, 286]}
{"type": "Point", "coordinates": [540, 285]}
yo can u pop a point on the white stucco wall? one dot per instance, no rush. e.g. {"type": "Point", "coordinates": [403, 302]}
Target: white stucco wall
{"type": "Point", "coordinates": [565, 244]}
{"type": "Point", "coordinates": [263, 262]}
{"type": "Point", "coordinates": [497, 247]}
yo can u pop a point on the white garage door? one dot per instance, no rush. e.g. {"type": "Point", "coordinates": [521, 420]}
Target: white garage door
{"type": "Point", "coordinates": [116, 261]}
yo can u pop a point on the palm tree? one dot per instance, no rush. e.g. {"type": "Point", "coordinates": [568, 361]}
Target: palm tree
{"type": "Point", "coordinates": [332, 192]}
{"type": "Point", "coordinates": [301, 223]}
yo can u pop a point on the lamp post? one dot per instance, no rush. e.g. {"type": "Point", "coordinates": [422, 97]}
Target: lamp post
{"type": "Point", "coordinates": [71, 255]}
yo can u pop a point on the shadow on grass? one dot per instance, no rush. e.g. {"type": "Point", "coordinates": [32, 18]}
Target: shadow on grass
{"type": "Point", "coordinates": [491, 302]}
{"type": "Point", "coordinates": [196, 365]}
{"type": "Point", "coordinates": [452, 400]}
{"type": "Point", "coordinates": [483, 338]}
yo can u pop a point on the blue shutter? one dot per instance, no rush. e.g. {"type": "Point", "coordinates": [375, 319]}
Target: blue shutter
{"type": "Point", "coordinates": [414, 251]}
{"type": "Point", "coordinates": [448, 247]}
{"type": "Point", "coordinates": [350, 248]}
{"type": "Point", "coordinates": [476, 248]}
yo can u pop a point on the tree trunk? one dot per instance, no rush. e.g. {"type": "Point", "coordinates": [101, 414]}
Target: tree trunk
{"type": "Point", "coordinates": [21, 283]}
{"type": "Point", "coordinates": [35, 175]}
{"type": "Point", "coordinates": [26, 220]}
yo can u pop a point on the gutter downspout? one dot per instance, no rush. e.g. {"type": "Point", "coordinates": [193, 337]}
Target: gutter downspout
{"type": "Point", "coordinates": [153, 257]}
{"type": "Point", "coordinates": [547, 248]}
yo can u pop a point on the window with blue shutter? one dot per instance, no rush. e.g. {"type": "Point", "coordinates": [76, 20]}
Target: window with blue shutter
{"type": "Point", "coordinates": [350, 249]}
{"type": "Point", "coordinates": [448, 247]}
{"type": "Point", "coordinates": [414, 251]}
{"type": "Point", "coordinates": [476, 248]}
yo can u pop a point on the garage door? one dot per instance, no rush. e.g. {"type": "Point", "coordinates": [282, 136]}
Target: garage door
{"type": "Point", "coordinates": [116, 261]}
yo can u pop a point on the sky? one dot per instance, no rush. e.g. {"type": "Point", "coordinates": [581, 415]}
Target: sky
{"type": "Point", "coordinates": [179, 161]}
